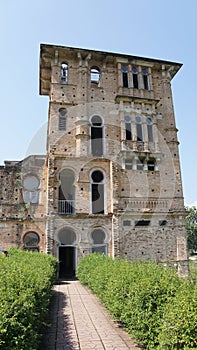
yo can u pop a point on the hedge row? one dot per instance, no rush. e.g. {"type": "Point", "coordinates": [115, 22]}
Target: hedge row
{"type": "Point", "coordinates": [153, 304]}
{"type": "Point", "coordinates": [25, 289]}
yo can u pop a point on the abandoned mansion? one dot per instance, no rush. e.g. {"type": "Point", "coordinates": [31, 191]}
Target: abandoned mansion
{"type": "Point", "coordinates": [110, 181]}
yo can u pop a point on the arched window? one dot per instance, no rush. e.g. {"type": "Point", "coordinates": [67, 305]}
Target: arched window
{"type": "Point", "coordinates": [125, 77]}
{"type": "Point", "coordinates": [31, 241]}
{"type": "Point", "coordinates": [98, 241]}
{"type": "Point", "coordinates": [67, 236]}
{"type": "Point", "coordinates": [139, 128]}
{"type": "Point", "coordinates": [62, 119]}
{"type": "Point", "coordinates": [97, 192]}
{"type": "Point", "coordinates": [30, 189]}
{"type": "Point", "coordinates": [135, 78]}
{"type": "Point", "coordinates": [97, 136]}
{"type": "Point", "coordinates": [66, 198]}
{"type": "Point", "coordinates": [64, 73]}
{"type": "Point", "coordinates": [128, 130]}
{"type": "Point", "coordinates": [95, 76]}
{"type": "Point", "coordinates": [149, 122]}
{"type": "Point", "coordinates": [145, 79]}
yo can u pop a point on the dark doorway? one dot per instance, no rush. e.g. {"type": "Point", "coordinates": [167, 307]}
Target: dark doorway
{"type": "Point", "coordinates": [66, 262]}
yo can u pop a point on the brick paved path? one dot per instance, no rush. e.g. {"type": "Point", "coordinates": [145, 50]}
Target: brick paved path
{"type": "Point", "coordinates": [79, 322]}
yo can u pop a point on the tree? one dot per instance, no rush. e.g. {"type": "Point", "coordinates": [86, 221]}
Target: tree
{"type": "Point", "coordinates": [191, 227]}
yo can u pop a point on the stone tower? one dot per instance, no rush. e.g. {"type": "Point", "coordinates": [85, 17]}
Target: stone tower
{"type": "Point", "coordinates": [113, 179]}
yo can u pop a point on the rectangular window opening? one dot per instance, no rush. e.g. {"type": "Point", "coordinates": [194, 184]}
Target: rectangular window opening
{"type": "Point", "coordinates": [128, 164]}
{"type": "Point", "coordinates": [125, 79]}
{"type": "Point", "coordinates": [142, 223]}
{"type": "Point", "coordinates": [162, 222]}
{"type": "Point", "coordinates": [126, 223]}
{"type": "Point", "coordinates": [145, 81]}
{"type": "Point", "coordinates": [128, 131]}
{"type": "Point", "coordinates": [135, 81]}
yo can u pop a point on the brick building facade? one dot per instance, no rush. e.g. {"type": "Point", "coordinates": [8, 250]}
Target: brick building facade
{"type": "Point", "coordinates": [110, 181]}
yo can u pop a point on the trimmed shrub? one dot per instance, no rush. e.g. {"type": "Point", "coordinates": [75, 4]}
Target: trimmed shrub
{"type": "Point", "coordinates": [146, 298]}
{"type": "Point", "coordinates": [25, 290]}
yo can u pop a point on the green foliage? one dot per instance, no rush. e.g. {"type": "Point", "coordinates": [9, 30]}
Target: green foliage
{"type": "Point", "coordinates": [25, 290]}
{"type": "Point", "coordinates": [179, 322]}
{"type": "Point", "coordinates": [191, 227]}
{"type": "Point", "coordinates": [146, 298]}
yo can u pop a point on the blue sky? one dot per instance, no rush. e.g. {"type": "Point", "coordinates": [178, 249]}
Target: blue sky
{"type": "Point", "coordinates": [157, 29]}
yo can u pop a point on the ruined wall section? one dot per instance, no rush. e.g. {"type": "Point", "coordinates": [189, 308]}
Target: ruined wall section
{"type": "Point", "coordinates": [22, 210]}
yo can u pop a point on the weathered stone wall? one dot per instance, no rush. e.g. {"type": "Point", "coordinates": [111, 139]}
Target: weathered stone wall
{"type": "Point", "coordinates": [19, 216]}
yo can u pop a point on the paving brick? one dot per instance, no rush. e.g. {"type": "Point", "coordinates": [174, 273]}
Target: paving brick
{"type": "Point", "coordinates": [88, 324]}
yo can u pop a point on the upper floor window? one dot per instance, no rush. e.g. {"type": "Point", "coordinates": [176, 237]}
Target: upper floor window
{"type": "Point", "coordinates": [125, 77]}
{"type": "Point", "coordinates": [97, 192]}
{"type": "Point", "coordinates": [62, 119]}
{"type": "Point", "coordinates": [128, 130]}
{"type": "Point", "coordinates": [140, 163]}
{"type": "Point", "coordinates": [135, 78]}
{"type": "Point", "coordinates": [30, 189]}
{"type": "Point", "coordinates": [95, 76]}
{"type": "Point", "coordinates": [149, 122]}
{"type": "Point", "coordinates": [64, 73]}
{"type": "Point", "coordinates": [151, 164]}
{"type": "Point", "coordinates": [97, 136]}
{"type": "Point", "coordinates": [66, 197]}
{"type": "Point", "coordinates": [139, 128]}
{"type": "Point", "coordinates": [128, 164]}
{"type": "Point", "coordinates": [145, 79]}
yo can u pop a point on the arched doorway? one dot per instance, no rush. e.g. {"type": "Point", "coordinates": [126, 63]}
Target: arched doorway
{"type": "Point", "coordinates": [67, 253]}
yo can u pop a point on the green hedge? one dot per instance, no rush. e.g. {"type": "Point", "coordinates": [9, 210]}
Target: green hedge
{"type": "Point", "coordinates": [25, 290]}
{"type": "Point", "coordinates": [154, 305]}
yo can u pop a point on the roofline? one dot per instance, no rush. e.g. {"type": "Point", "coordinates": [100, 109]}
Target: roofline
{"type": "Point", "coordinates": [111, 53]}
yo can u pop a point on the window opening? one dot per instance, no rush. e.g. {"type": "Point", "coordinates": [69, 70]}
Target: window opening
{"type": "Point", "coordinates": [128, 129]}
{"type": "Point", "coordinates": [150, 129]}
{"type": "Point", "coordinates": [66, 196]}
{"type": "Point", "coordinates": [142, 223]}
{"type": "Point", "coordinates": [162, 222]}
{"type": "Point", "coordinates": [64, 73]}
{"type": "Point", "coordinates": [151, 164]}
{"type": "Point", "coordinates": [95, 76]}
{"type": "Point", "coordinates": [139, 128]}
{"type": "Point", "coordinates": [125, 77]}
{"type": "Point", "coordinates": [126, 223]}
{"type": "Point", "coordinates": [128, 164]}
{"type": "Point", "coordinates": [31, 241]}
{"type": "Point", "coordinates": [145, 79]}
{"type": "Point", "coordinates": [96, 136]}
{"type": "Point", "coordinates": [135, 78]}
{"type": "Point", "coordinates": [97, 192]}
{"type": "Point", "coordinates": [67, 236]}
{"type": "Point", "coordinates": [140, 164]}
{"type": "Point", "coordinates": [98, 241]}
{"type": "Point", "coordinates": [62, 118]}
{"type": "Point", "coordinates": [30, 189]}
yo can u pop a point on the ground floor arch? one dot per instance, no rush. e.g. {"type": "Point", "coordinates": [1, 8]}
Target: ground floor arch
{"type": "Point", "coordinates": [67, 252]}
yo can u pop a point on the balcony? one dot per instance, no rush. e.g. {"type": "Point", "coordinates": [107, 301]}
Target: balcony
{"type": "Point", "coordinates": [66, 207]}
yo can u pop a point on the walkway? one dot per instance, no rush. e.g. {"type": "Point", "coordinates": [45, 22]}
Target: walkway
{"type": "Point", "coordinates": [80, 322]}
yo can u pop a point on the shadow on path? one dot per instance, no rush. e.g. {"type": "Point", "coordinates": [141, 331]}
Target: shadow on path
{"type": "Point", "coordinates": [59, 334]}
